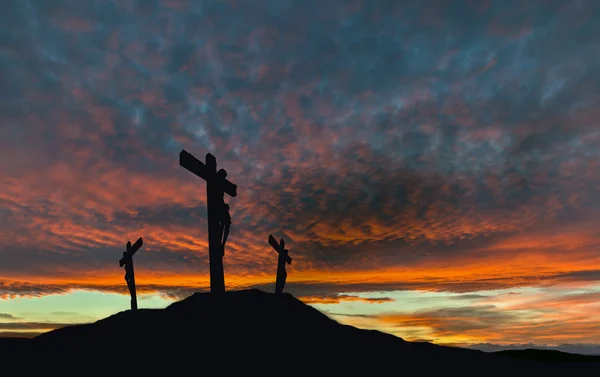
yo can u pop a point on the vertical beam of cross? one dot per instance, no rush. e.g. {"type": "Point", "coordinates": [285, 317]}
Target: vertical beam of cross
{"type": "Point", "coordinates": [215, 189]}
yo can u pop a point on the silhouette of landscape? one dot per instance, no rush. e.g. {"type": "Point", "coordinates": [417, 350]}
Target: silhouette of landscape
{"type": "Point", "coordinates": [251, 331]}
{"type": "Point", "coordinates": [254, 332]}
{"type": "Point", "coordinates": [550, 356]}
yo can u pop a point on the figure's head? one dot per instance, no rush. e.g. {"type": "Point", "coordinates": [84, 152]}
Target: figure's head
{"type": "Point", "coordinates": [222, 173]}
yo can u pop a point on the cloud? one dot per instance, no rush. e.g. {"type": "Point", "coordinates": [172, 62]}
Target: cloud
{"type": "Point", "coordinates": [31, 326]}
{"type": "Point", "coordinates": [7, 316]}
{"type": "Point", "coordinates": [19, 334]}
{"type": "Point", "coordinates": [551, 317]}
{"type": "Point", "coordinates": [11, 289]}
{"type": "Point", "coordinates": [334, 299]}
{"type": "Point", "coordinates": [453, 150]}
{"type": "Point", "coordinates": [458, 321]}
{"type": "Point", "coordinates": [581, 349]}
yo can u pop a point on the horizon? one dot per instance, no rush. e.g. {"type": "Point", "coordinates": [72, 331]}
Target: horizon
{"type": "Point", "coordinates": [573, 348]}
{"type": "Point", "coordinates": [433, 168]}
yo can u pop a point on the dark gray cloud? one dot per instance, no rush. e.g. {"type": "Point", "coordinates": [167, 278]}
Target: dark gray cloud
{"type": "Point", "coordinates": [31, 325]}
{"type": "Point", "coordinates": [19, 334]}
{"type": "Point", "coordinates": [369, 134]}
{"type": "Point", "coordinates": [581, 349]}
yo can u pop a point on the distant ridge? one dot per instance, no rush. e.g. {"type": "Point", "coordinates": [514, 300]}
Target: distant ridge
{"type": "Point", "coordinates": [551, 356]}
{"type": "Point", "coordinates": [249, 331]}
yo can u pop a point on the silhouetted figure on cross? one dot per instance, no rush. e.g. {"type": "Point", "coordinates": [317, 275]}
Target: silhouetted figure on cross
{"type": "Point", "coordinates": [127, 261]}
{"type": "Point", "coordinates": [282, 260]}
{"type": "Point", "coordinates": [224, 216]}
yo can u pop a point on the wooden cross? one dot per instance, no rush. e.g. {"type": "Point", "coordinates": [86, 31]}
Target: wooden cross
{"type": "Point", "coordinates": [283, 259]}
{"type": "Point", "coordinates": [127, 261]}
{"type": "Point", "coordinates": [215, 188]}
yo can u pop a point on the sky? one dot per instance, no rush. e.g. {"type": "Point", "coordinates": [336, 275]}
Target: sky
{"type": "Point", "coordinates": [433, 166]}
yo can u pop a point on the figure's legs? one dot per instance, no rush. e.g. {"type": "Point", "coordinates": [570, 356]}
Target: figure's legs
{"type": "Point", "coordinates": [283, 279]}
{"type": "Point", "coordinates": [280, 280]}
{"type": "Point", "coordinates": [130, 286]}
{"type": "Point", "coordinates": [222, 228]}
{"type": "Point", "coordinates": [225, 222]}
{"type": "Point", "coordinates": [225, 234]}
{"type": "Point", "coordinates": [133, 301]}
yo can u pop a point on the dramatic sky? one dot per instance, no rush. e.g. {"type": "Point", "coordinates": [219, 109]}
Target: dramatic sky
{"type": "Point", "coordinates": [433, 165]}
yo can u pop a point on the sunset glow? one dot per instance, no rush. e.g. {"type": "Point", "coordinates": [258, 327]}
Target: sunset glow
{"type": "Point", "coordinates": [433, 166]}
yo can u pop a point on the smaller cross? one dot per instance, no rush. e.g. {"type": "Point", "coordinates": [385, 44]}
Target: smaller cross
{"type": "Point", "coordinates": [282, 260]}
{"type": "Point", "coordinates": [127, 261]}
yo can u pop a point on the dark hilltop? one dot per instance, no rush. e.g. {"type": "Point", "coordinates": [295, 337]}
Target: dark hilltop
{"type": "Point", "coordinates": [251, 332]}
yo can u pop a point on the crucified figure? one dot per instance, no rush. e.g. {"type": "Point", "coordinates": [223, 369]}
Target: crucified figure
{"type": "Point", "coordinates": [127, 261]}
{"type": "Point", "coordinates": [224, 216]}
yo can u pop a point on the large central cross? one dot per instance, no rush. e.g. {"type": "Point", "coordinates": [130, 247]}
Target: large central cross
{"type": "Point", "coordinates": [215, 187]}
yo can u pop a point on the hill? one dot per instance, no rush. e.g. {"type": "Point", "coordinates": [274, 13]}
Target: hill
{"type": "Point", "coordinates": [246, 331]}
{"type": "Point", "coordinates": [550, 356]}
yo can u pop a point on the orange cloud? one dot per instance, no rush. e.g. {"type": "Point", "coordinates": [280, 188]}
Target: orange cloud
{"type": "Point", "coordinates": [388, 163]}
{"type": "Point", "coordinates": [343, 298]}
{"type": "Point", "coordinates": [565, 320]}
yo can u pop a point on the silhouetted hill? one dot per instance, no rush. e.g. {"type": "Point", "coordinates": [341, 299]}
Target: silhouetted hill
{"type": "Point", "coordinates": [249, 332]}
{"type": "Point", "coordinates": [549, 356]}
{"type": "Point", "coordinates": [12, 344]}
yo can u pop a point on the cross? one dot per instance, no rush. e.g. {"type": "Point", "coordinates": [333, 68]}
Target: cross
{"type": "Point", "coordinates": [215, 189]}
{"type": "Point", "coordinates": [282, 260]}
{"type": "Point", "coordinates": [127, 261]}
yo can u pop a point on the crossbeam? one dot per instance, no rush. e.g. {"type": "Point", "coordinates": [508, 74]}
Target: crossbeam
{"type": "Point", "coordinates": [131, 249]}
{"type": "Point", "coordinates": [135, 247]}
{"type": "Point", "coordinates": [204, 170]}
{"type": "Point", "coordinates": [279, 247]}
